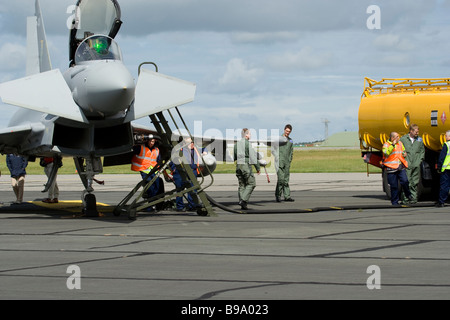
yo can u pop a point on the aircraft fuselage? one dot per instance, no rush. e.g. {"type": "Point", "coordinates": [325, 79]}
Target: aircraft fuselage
{"type": "Point", "coordinates": [101, 88]}
{"type": "Point", "coordinates": [100, 83]}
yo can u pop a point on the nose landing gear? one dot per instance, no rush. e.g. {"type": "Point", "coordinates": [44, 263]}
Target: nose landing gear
{"type": "Point", "coordinates": [87, 173]}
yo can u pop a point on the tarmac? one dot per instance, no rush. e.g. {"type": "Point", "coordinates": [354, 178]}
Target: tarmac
{"type": "Point", "coordinates": [340, 240]}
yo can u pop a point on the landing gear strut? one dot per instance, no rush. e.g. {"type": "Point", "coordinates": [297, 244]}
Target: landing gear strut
{"type": "Point", "coordinates": [87, 173]}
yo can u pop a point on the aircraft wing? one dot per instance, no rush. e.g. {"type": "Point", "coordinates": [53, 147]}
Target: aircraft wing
{"type": "Point", "coordinates": [271, 141]}
{"type": "Point", "coordinates": [45, 92]}
{"type": "Point", "coordinates": [156, 92]}
{"type": "Point", "coordinates": [220, 146]}
{"type": "Point", "coordinates": [13, 139]}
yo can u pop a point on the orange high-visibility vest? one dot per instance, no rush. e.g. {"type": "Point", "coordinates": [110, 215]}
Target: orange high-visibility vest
{"type": "Point", "coordinates": [395, 158]}
{"type": "Point", "coordinates": [146, 160]}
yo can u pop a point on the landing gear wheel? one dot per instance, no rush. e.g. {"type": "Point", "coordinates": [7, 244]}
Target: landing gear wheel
{"type": "Point", "coordinates": [116, 212]}
{"type": "Point", "coordinates": [90, 206]}
{"type": "Point", "coordinates": [132, 214]}
{"type": "Point", "coordinates": [202, 212]}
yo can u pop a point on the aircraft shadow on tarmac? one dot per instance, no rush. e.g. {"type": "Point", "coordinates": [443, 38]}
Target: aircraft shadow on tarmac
{"type": "Point", "coordinates": [37, 209]}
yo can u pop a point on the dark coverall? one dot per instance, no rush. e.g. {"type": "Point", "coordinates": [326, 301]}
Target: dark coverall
{"type": "Point", "coordinates": [415, 153]}
{"type": "Point", "coordinates": [245, 157]}
{"type": "Point", "coordinates": [180, 183]}
{"type": "Point", "coordinates": [191, 157]}
{"type": "Point", "coordinates": [444, 174]}
{"type": "Point", "coordinates": [283, 158]}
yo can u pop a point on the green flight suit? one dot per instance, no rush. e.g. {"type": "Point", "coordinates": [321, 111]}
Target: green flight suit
{"type": "Point", "coordinates": [415, 153]}
{"type": "Point", "coordinates": [245, 157]}
{"type": "Point", "coordinates": [283, 158]}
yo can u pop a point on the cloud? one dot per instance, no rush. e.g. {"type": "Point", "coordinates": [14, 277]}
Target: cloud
{"type": "Point", "coordinates": [397, 60]}
{"type": "Point", "coordinates": [239, 77]}
{"type": "Point", "coordinates": [393, 42]}
{"type": "Point", "coordinates": [14, 56]}
{"type": "Point", "coordinates": [263, 37]}
{"type": "Point", "coordinates": [305, 59]}
{"type": "Point", "coordinates": [143, 17]}
{"type": "Point", "coordinates": [239, 15]}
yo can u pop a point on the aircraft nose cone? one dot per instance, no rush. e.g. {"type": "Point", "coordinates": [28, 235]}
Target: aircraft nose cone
{"type": "Point", "coordinates": [110, 89]}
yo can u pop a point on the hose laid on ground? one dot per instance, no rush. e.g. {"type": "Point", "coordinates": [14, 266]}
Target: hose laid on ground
{"type": "Point", "coordinates": [222, 206]}
{"type": "Point", "coordinates": [317, 209]}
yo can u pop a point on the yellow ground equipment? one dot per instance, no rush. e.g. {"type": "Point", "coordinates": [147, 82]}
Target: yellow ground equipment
{"type": "Point", "coordinates": [393, 105]}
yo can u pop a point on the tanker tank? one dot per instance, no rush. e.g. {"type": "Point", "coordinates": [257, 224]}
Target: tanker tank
{"type": "Point", "coordinates": [393, 105]}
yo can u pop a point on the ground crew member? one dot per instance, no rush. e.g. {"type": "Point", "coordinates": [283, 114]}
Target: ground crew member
{"type": "Point", "coordinates": [180, 182]}
{"type": "Point", "coordinates": [53, 191]}
{"type": "Point", "coordinates": [191, 157]}
{"type": "Point", "coordinates": [17, 165]}
{"type": "Point", "coordinates": [415, 153]}
{"type": "Point", "coordinates": [283, 158]}
{"type": "Point", "coordinates": [443, 168]}
{"type": "Point", "coordinates": [395, 164]}
{"type": "Point", "coordinates": [245, 157]}
{"type": "Point", "coordinates": [144, 160]}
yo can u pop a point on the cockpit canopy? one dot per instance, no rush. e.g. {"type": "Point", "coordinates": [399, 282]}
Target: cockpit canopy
{"type": "Point", "coordinates": [94, 17]}
{"type": "Point", "coordinates": [97, 47]}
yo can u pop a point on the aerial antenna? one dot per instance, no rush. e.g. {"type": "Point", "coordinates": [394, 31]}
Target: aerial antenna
{"type": "Point", "coordinates": [326, 122]}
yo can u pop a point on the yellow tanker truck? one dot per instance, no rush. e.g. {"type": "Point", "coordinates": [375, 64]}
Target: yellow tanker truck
{"type": "Point", "coordinates": [393, 105]}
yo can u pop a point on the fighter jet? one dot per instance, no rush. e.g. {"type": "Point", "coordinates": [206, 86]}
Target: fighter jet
{"type": "Point", "coordinates": [86, 111]}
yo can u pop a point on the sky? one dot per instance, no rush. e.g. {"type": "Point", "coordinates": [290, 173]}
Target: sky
{"type": "Point", "coordinates": [256, 63]}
